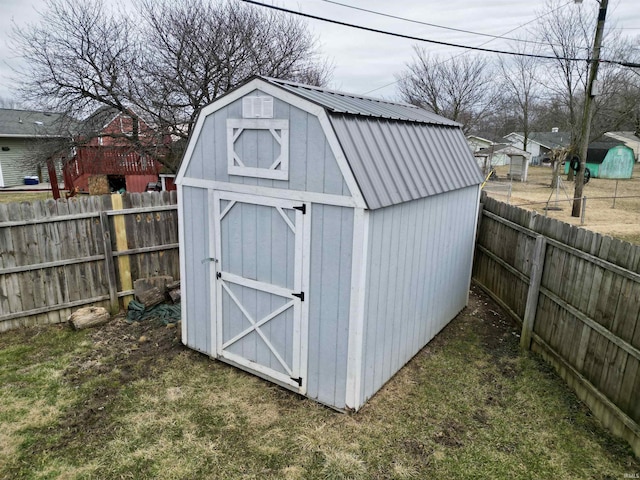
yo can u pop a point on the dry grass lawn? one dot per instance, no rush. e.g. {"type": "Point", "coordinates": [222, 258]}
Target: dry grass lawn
{"type": "Point", "coordinates": [107, 403]}
{"type": "Point", "coordinates": [11, 196]}
{"type": "Point", "coordinates": [622, 222]}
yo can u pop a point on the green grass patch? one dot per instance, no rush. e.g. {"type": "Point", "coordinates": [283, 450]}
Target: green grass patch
{"type": "Point", "coordinates": [469, 405]}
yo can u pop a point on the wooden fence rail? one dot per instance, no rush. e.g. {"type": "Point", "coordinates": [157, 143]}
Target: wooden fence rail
{"type": "Point", "coordinates": [59, 255]}
{"type": "Point", "coordinates": [577, 296]}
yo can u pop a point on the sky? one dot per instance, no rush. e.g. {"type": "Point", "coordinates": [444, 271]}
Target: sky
{"type": "Point", "coordinates": [365, 62]}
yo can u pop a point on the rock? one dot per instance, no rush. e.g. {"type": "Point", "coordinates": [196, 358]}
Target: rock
{"type": "Point", "coordinates": [175, 295]}
{"type": "Point", "coordinates": [88, 317]}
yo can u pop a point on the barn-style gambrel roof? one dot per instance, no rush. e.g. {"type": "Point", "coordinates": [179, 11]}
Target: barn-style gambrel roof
{"type": "Point", "coordinates": [396, 152]}
{"type": "Point", "coordinates": [348, 103]}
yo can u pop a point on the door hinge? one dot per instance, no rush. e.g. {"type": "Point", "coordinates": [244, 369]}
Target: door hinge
{"type": "Point", "coordinates": [302, 208]}
{"type": "Point", "coordinates": [297, 380]}
{"type": "Point", "coordinates": [218, 274]}
{"type": "Point", "coordinates": [299, 295]}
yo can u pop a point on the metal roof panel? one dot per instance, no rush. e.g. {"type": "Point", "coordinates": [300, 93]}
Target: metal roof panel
{"type": "Point", "coordinates": [399, 161]}
{"type": "Point", "coordinates": [341, 102]}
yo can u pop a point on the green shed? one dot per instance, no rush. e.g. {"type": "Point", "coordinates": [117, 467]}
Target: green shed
{"type": "Point", "coordinates": [609, 160]}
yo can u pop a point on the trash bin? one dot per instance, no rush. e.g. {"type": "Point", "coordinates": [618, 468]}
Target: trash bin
{"type": "Point", "coordinates": [31, 180]}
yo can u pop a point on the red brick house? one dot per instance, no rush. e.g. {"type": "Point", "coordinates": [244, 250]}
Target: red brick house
{"type": "Point", "coordinates": [110, 144]}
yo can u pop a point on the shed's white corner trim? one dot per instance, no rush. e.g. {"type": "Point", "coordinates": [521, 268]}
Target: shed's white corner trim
{"type": "Point", "coordinates": [183, 263]}
{"type": "Point", "coordinates": [359, 263]}
{"type": "Point", "coordinates": [473, 243]}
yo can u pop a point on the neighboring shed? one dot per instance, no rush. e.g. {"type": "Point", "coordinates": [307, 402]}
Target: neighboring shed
{"type": "Point", "coordinates": [630, 139]}
{"type": "Point", "coordinates": [325, 237]}
{"type": "Point", "coordinates": [611, 160]}
{"type": "Point", "coordinates": [501, 154]}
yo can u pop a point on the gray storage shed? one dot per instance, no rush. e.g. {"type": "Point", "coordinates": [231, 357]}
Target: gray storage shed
{"type": "Point", "coordinates": [325, 238]}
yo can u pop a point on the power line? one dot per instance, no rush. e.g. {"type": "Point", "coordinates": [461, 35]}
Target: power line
{"type": "Point", "coordinates": [382, 14]}
{"type": "Point", "coordinates": [411, 37]}
{"type": "Point", "coordinates": [436, 42]}
{"type": "Point", "coordinates": [481, 45]}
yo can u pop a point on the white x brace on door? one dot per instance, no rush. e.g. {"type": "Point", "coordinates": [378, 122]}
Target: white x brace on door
{"type": "Point", "coordinates": [261, 246]}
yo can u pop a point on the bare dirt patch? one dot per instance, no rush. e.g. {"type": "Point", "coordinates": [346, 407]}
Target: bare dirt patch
{"type": "Point", "coordinates": [133, 350]}
{"type": "Point", "coordinates": [118, 355]}
{"type": "Point", "coordinates": [622, 222]}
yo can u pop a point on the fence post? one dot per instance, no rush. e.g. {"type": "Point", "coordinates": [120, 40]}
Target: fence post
{"type": "Point", "coordinates": [584, 210]}
{"type": "Point", "coordinates": [533, 292]}
{"type": "Point", "coordinates": [124, 265]}
{"type": "Point", "coordinates": [110, 268]}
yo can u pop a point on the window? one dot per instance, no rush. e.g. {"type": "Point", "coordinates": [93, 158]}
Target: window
{"type": "Point", "coordinates": [258, 147]}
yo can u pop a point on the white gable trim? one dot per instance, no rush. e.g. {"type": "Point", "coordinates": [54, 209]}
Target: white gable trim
{"type": "Point", "coordinates": [290, 98]}
{"type": "Point", "coordinates": [347, 174]}
{"type": "Point", "coordinates": [486, 140]}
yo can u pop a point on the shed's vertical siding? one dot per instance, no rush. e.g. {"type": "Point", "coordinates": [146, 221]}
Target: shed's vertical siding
{"type": "Point", "coordinates": [196, 289]}
{"type": "Point", "coordinates": [418, 276]}
{"type": "Point", "coordinates": [329, 300]}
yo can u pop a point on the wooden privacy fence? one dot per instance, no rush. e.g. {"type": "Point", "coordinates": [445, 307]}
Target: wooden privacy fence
{"type": "Point", "coordinates": [577, 295]}
{"type": "Point", "coordinates": [59, 255]}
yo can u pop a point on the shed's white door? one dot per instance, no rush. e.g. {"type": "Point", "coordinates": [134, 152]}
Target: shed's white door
{"type": "Point", "coordinates": [261, 245]}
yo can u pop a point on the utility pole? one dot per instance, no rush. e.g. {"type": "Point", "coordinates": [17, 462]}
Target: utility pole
{"type": "Point", "coordinates": [587, 113]}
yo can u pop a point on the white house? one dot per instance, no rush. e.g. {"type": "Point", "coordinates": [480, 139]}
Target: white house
{"type": "Point", "coordinates": [539, 144]}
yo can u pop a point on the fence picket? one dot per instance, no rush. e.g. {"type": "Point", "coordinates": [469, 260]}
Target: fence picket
{"type": "Point", "coordinates": [588, 309]}
{"type": "Point", "coordinates": [44, 235]}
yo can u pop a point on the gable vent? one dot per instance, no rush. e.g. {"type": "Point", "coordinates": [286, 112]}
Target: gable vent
{"type": "Point", "coordinates": [257, 107]}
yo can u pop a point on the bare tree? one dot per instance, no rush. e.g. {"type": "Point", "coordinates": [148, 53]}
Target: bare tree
{"type": "Point", "coordinates": [568, 31]}
{"type": "Point", "coordinates": [197, 51]}
{"type": "Point", "coordinates": [521, 87]}
{"type": "Point", "coordinates": [564, 29]}
{"type": "Point", "coordinates": [164, 63]}
{"type": "Point", "coordinates": [459, 88]}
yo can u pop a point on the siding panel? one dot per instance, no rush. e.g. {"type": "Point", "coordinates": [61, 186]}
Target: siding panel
{"type": "Point", "coordinates": [196, 289]}
{"type": "Point", "coordinates": [329, 299]}
{"type": "Point", "coordinates": [417, 279]}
